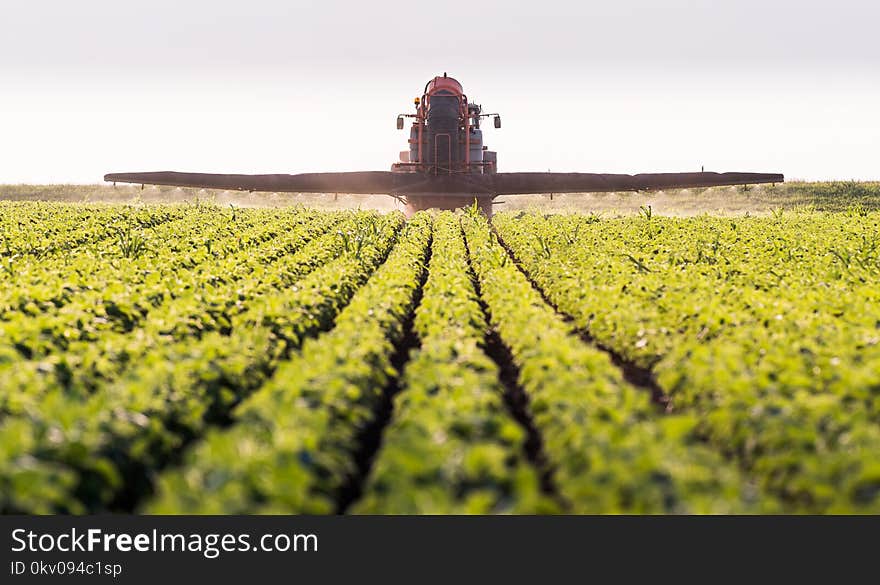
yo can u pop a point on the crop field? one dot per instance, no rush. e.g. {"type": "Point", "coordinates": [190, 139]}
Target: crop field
{"type": "Point", "coordinates": [195, 358]}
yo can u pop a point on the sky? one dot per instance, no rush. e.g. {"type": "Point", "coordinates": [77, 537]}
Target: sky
{"type": "Point", "coordinates": [264, 86]}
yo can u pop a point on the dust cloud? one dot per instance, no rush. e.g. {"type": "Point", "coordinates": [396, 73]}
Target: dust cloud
{"type": "Point", "coordinates": [739, 200]}
{"type": "Point", "coordinates": [730, 200]}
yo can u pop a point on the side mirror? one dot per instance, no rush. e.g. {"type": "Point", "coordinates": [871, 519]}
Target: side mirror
{"type": "Point", "coordinates": [400, 122]}
{"type": "Point", "coordinates": [498, 121]}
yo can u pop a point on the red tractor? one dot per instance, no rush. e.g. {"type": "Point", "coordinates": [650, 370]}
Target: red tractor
{"type": "Point", "coordinates": [445, 139]}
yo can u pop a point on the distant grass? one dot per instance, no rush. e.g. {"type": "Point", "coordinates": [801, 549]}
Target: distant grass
{"type": "Point", "coordinates": [759, 199]}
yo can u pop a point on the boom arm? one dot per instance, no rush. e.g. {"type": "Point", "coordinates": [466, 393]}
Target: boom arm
{"type": "Point", "coordinates": [524, 183]}
{"type": "Point", "coordinates": [385, 182]}
{"type": "Point", "coordinates": [363, 182]}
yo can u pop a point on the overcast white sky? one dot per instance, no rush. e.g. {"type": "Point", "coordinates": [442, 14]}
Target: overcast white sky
{"type": "Point", "coordinates": [95, 86]}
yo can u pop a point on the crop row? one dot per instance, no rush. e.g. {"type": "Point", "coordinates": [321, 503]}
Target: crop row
{"type": "Point", "coordinates": [105, 293]}
{"type": "Point", "coordinates": [451, 446]}
{"type": "Point", "coordinates": [609, 452]}
{"type": "Point", "coordinates": [79, 352]}
{"type": "Point", "coordinates": [764, 329]}
{"type": "Point", "coordinates": [294, 442]}
{"type": "Point", "coordinates": [73, 454]}
{"type": "Point", "coordinates": [42, 229]}
{"type": "Point", "coordinates": [38, 285]}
